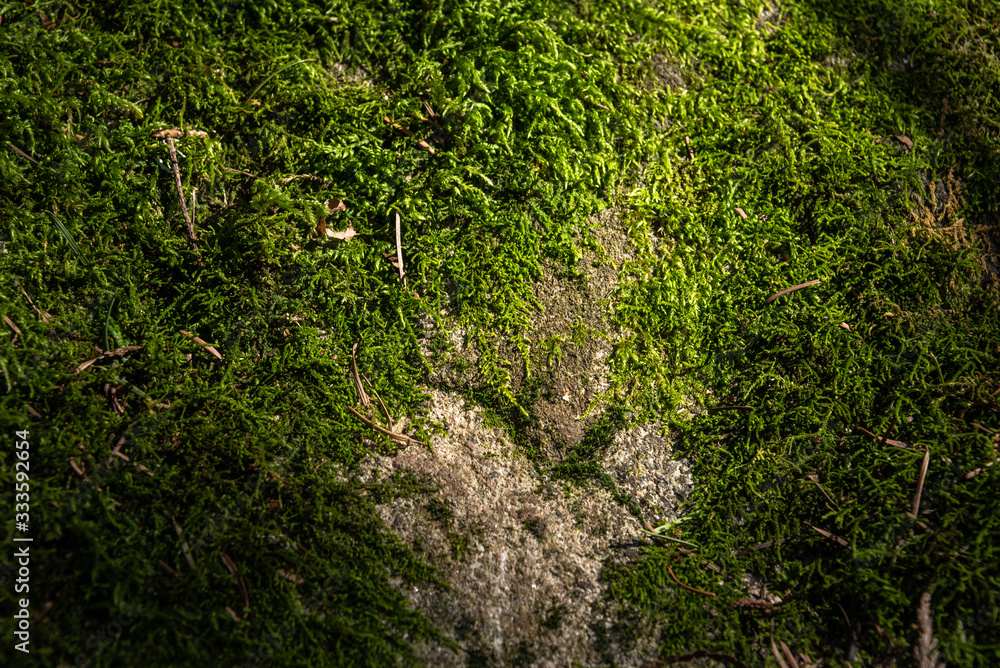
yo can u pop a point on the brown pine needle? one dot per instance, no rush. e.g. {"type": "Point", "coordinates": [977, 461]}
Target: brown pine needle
{"type": "Point", "coordinates": [365, 400]}
{"type": "Point", "coordinates": [184, 546]}
{"type": "Point", "coordinates": [827, 534]}
{"type": "Point", "coordinates": [788, 654]}
{"type": "Point", "coordinates": [695, 590]}
{"type": "Point", "coordinates": [920, 482]}
{"type": "Point", "coordinates": [786, 291]}
{"type": "Point", "coordinates": [388, 418]}
{"type": "Point", "coordinates": [399, 251]}
{"type": "Point", "coordinates": [883, 439]}
{"type": "Point", "coordinates": [23, 154]}
{"type": "Point", "coordinates": [399, 438]}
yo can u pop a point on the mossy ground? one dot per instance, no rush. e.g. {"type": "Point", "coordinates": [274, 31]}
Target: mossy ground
{"type": "Point", "coordinates": [749, 147]}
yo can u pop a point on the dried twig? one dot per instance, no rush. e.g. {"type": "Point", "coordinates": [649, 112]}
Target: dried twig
{"type": "Point", "coordinates": [695, 590]}
{"type": "Point", "coordinates": [180, 193]}
{"type": "Point", "coordinates": [786, 291]}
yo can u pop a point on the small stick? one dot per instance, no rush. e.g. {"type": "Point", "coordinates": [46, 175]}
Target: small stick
{"type": "Point", "coordinates": [687, 141]}
{"type": "Point", "coordinates": [784, 292]}
{"type": "Point", "coordinates": [697, 591]}
{"type": "Point", "coordinates": [180, 187]}
{"type": "Point", "coordinates": [23, 154]}
{"type": "Point", "coordinates": [180, 193]}
{"type": "Point", "coordinates": [399, 250]}
{"type": "Point", "coordinates": [920, 482]}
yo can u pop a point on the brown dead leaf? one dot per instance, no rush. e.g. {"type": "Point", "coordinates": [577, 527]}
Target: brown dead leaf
{"type": "Point", "coordinates": [13, 327]}
{"type": "Point", "coordinates": [905, 141]}
{"type": "Point", "coordinates": [86, 364]}
{"type": "Point", "coordinates": [76, 467]}
{"type": "Point", "coordinates": [743, 214]}
{"type": "Point", "coordinates": [343, 235]}
{"type": "Point", "coordinates": [334, 205]}
{"type": "Point", "coordinates": [844, 325]}
{"type": "Point", "coordinates": [32, 412]}
{"type": "Point", "coordinates": [174, 133]}
{"type": "Point", "coordinates": [291, 577]}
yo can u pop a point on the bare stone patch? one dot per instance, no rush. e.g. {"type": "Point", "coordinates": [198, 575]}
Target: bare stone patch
{"type": "Point", "coordinates": [522, 555]}
{"type": "Point", "coordinates": [666, 74]}
{"type": "Point", "coordinates": [641, 464]}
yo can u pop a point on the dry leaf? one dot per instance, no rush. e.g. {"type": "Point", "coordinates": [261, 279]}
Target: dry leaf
{"type": "Point", "coordinates": [174, 133]}
{"type": "Point", "coordinates": [334, 205]}
{"type": "Point", "coordinates": [844, 325]}
{"type": "Point", "coordinates": [291, 577]}
{"type": "Point", "coordinates": [86, 364]}
{"type": "Point", "coordinates": [75, 466]}
{"type": "Point", "coordinates": [33, 413]}
{"type": "Point", "coordinates": [905, 141]}
{"type": "Point", "coordinates": [202, 343]}
{"type": "Point", "coordinates": [345, 235]}
{"type": "Point", "coordinates": [743, 214]}
{"type": "Point", "coordinates": [10, 323]}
